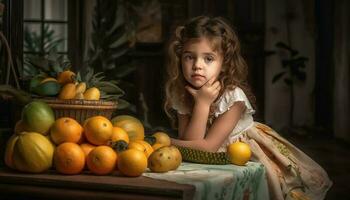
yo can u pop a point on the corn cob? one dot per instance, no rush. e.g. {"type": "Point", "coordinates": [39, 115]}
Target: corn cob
{"type": "Point", "coordinates": [203, 157]}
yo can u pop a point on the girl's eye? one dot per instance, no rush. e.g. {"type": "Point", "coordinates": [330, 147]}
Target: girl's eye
{"type": "Point", "coordinates": [188, 57]}
{"type": "Point", "coordinates": [208, 59]}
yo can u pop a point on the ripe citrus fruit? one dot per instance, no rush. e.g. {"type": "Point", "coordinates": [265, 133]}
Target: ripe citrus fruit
{"type": "Point", "coordinates": [102, 160]}
{"type": "Point", "coordinates": [132, 162]}
{"type": "Point", "coordinates": [66, 77]}
{"type": "Point", "coordinates": [119, 134]}
{"type": "Point", "coordinates": [131, 125]}
{"type": "Point", "coordinates": [98, 130]}
{"type": "Point", "coordinates": [92, 94]}
{"type": "Point", "coordinates": [69, 158]}
{"type": "Point", "coordinates": [86, 147]}
{"type": "Point", "coordinates": [239, 153]}
{"type": "Point", "coordinates": [66, 129]}
{"type": "Point", "coordinates": [148, 147]}
{"type": "Point", "coordinates": [162, 138]}
{"type": "Point", "coordinates": [137, 146]}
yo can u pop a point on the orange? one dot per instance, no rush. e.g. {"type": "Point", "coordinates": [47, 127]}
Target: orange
{"type": "Point", "coordinates": [148, 147]}
{"type": "Point", "coordinates": [137, 146]}
{"type": "Point", "coordinates": [98, 130]}
{"type": "Point", "coordinates": [132, 162]}
{"type": "Point", "coordinates": [86, 147]}
{"type": "Point", "coordinates": [156, 146]}
{"type": "Point", "coordinates": [119, 134]}
{"type": "Point", "coordinates": [69, 158]}
{"type": "Point", "coordinates": [68, 91]}
{"type": "Point", "coordinates": [131, 125]}
{"type": "Point", "coordinates": [66, 77]}
{"type": "Point", "coordinates": [102, 160]}
{"type": "Point", "coordinates": [92, 94]}
{"type": "Point", "coordinates": [162, 138]}
{"type": "Point", "coordinates": [66, 129]}
{"type": "Point", "coordinates": [239, 153]}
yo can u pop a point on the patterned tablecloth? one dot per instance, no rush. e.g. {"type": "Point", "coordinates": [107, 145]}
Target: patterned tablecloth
{"type": "Point", "coordinates": [220, 181]}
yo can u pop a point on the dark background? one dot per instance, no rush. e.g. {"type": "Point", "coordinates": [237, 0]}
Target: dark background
{"type": "Point", "coordinates": [248, 18]}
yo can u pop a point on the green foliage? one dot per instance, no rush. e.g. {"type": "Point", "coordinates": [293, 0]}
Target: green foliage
{"type": "Point", "coordinates": [112, 37]}
{"type": "Point", "coordinates": [48, 64]}
{"type": "Point", "coordinates": [292, 66]}
{"type": "Point", "coordinates": [109, 89]}
{"type": "Point", "coordinates": [47, 61]}
{"type": "Point", "coordinates": [32, 41]}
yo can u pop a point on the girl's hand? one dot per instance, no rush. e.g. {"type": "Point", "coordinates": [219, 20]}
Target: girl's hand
{"type": "Point", "coordinates": [207, 93]}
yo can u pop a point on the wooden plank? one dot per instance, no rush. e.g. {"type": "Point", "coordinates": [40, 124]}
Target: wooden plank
{"type": "Point", "coordinates": [85, 183]}
{"type": "Point", "coordinates": [9, 191]}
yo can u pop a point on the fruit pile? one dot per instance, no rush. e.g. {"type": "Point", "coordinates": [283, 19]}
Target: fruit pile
{"type": "Point", "coordinates": [51, 75]}
{"type": "Point", "coordinates": [68, 85]}
{"type": "Point", "coordinates": [98, 145]}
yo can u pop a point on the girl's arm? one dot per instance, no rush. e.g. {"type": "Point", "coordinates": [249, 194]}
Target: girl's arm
{"type": "Point", "coordinates": [194, 127]}
{"type": "Point", "coordinates": [182, 124]}
{"type": "Point", "coordinates": [218, 132]}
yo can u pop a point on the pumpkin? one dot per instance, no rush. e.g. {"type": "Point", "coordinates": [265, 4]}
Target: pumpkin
{"type": "Point", "coordinates": [29, 152]}
{"type": "Point", "coordinates": [131, 125]}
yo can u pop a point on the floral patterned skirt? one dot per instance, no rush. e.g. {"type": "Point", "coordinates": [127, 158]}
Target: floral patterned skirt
{"type": "Point", "coordinates": [291, 173]}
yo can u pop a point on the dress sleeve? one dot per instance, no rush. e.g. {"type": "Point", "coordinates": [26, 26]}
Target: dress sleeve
{"type": "Point", "coordinates": [229, 98]}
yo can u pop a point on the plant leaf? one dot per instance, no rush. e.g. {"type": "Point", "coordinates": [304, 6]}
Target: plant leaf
{"type": "Point", "coordinates": [277, 77]}
{"type": "Point", "coordinates": [288, 81]}
{"type": "Point", "coordinates": [122, 104]}
{"type": "Point", "coordinates": [283, 45]}
{"type": "Point", "coordinates": [109, 87]}
{"type": "Point", "coordinates": [269, 53]}
{"type": "Point", "coordinates": [125, 70]}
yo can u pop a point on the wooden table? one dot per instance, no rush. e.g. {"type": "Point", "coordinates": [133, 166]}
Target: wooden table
{"type": "Point", "coordinates": [15, 185]}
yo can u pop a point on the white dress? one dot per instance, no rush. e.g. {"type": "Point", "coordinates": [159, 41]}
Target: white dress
{"type": "Point", "coordinates": [290, 172]}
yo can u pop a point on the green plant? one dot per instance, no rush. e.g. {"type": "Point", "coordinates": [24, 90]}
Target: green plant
{"type": "Point", "coordinates": [109, 89]}
{"type": "Point", "coordinates": [293, 66]}
{"type": "Point", "coordinates": [50, 64]}
{"type": "Point", "coordinates": [112, 37]}
{"type": "Point", "coordinates": [32, 41]}
{"type": "Point", "coordinates": [46, 58]}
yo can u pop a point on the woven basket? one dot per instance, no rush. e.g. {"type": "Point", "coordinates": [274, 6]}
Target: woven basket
{"type": "Point", "coordinates": [81, 109]}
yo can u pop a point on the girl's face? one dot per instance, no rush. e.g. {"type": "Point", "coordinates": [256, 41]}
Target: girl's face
{"type": "Point", "coordinates": [200, 62]}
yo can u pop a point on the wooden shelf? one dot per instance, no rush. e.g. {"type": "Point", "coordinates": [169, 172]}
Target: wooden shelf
{"type": "Point", "coordinates": [56, 186]}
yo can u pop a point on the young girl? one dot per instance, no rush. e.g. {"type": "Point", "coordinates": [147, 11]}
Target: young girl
{"type": "Point", "coordinates": [207, 90]}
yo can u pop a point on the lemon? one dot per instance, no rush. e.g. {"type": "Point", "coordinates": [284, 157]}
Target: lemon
{"type": "Point", "coordinates": [92, 94]}
{"type": "Point", "coordinates": [239, 153]}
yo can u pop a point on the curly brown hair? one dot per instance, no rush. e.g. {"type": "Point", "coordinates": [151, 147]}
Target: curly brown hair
{"type": "Point", "coordinates": [224, 40]}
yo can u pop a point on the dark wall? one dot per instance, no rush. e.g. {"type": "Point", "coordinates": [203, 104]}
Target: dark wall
{"type": "Point", "coordinates": [247, 18]}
